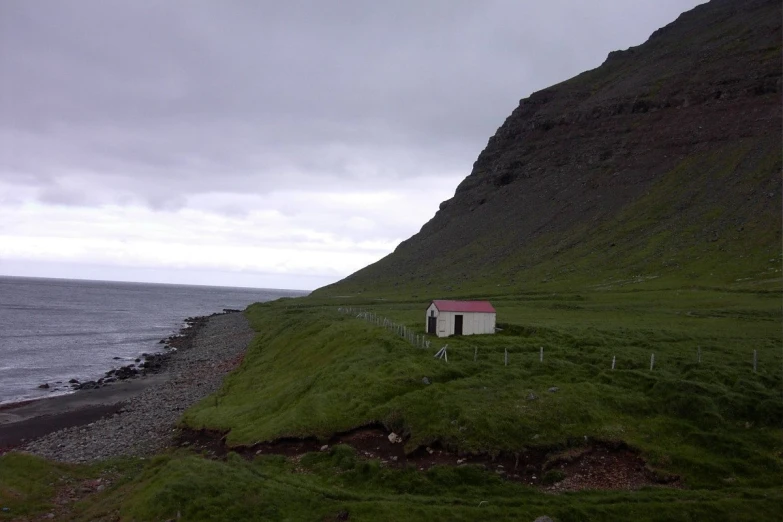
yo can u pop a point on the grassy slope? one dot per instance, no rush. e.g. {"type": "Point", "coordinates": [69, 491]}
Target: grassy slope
{"type": "Point", "coordinates": [324, 485]}
{"type": "Point", "coordinates": [313, 371]}
{"type": "Point", "coordinates": [707, 222]}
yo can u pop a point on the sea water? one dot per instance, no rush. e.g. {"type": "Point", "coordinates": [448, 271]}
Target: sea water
{"type": "Point", "coordinates": [58, 329]}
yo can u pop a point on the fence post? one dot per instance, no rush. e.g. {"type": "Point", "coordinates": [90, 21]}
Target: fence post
{"type": "Point", "coordinates": [541, 355]}
{"type": "Point", "coordinates": [652, 361]}
{"type": "Point", "coordinates": [755, 360]}
{"type": "Point", "coordinates": [505, 357]}
{"type": "Point", "coordinates": [614, 358]}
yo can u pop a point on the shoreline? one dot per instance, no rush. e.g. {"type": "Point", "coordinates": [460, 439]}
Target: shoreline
{"type": "Point", "coordinates": [147, 363]}
{"type": "Point", "coordinates": [25, 422]}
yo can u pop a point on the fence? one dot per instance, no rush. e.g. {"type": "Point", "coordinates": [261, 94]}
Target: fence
{"type": "Point", "coordinates": [403, 331]}
{"type": "Point", "coordinates": [420, 341]}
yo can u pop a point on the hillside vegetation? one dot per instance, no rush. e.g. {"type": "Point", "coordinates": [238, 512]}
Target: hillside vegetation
{"type": "Point", "coordinates": [315, 372]}
{"type": "Point", "coordinates": [711, 430]}
{"type": "Point", "coordinates": [707, 434]}
{"type": "Point", "coordinates": [334, 485]}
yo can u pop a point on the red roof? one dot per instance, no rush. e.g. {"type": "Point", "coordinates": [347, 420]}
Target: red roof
{"type": "Point", "coordinates": [464, 306]}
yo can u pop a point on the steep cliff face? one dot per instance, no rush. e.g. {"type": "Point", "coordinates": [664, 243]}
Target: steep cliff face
{"type": "Point", "coordinates": [664, 162]}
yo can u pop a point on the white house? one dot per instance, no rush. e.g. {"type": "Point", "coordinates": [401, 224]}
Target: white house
{"type": "Point", "coordinates": [445, 318]}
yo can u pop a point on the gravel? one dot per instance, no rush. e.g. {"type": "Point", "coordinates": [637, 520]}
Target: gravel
{"type": "Point", "coordinates": [147, 422]}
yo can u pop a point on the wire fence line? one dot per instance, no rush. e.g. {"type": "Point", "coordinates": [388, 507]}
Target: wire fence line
{"type": "Point", "coordinates": [420, 340]}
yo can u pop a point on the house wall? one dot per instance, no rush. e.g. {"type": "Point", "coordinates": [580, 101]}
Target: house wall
{"type": "Point", "coordinates": [472, 323]}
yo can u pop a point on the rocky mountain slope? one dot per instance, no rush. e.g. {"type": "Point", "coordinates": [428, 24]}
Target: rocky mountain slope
{"type": "Point", "coordinates": [661, 165]}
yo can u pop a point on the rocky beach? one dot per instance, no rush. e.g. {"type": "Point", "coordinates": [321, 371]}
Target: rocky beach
{"type": "Point", "coordinates": [131, 416]}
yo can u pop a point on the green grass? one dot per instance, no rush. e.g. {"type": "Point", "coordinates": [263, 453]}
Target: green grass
{"type": "Point", "coordinates": [324, 486]}
{"type": "Point", "coordinates": [313, 372]}
{"type": "Point", "coordinates": [26, 483]}
{"type": "Point", "coordinates": [31, 486]}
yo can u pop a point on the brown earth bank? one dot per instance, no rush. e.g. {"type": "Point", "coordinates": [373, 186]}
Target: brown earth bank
{"type": "Point", "coordinates": [593, 465]}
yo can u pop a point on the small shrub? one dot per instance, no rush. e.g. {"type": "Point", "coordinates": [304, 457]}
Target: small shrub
{"type": "Point", "coordinates": [516, 330]}
{"type": "Point", "coordinates": [343, 457]}
{"type": "Point", "coordinates": [553, 476]}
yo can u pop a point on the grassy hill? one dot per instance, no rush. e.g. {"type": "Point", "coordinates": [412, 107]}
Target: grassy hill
{"type": "Point", "coordinates": [315, 372]}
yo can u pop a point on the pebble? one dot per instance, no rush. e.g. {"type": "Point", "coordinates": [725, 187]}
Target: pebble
{"type": "Point", "coordinates": [150, 418]}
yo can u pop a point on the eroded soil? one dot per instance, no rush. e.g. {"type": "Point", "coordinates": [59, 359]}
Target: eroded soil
{"type": "Point", "coordinates": [600, 465]}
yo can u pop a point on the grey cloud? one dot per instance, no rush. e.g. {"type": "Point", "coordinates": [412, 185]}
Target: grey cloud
{"type": "Point", "coordinates": [145, 96]}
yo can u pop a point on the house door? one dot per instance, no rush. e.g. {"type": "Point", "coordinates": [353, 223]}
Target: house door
{"type": "Point", "coordinates": [458, 324]}
{"type": "Point", "coordinates": [432, 323]}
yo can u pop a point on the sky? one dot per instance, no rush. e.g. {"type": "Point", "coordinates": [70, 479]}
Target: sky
{"type": "Point", "coordinates": [263, 143]}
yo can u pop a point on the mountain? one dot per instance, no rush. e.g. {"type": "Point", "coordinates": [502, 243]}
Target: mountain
{"type": "Point", "coordinates": [662, 165]}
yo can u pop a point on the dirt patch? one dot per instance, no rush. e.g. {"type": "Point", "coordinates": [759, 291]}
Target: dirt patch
{"type": "Point", "coordinates": [605, 467]}
{"type": "Point", "coordinates": [68, 492]}
{"type": "Point", "coordinates": [600, 465]}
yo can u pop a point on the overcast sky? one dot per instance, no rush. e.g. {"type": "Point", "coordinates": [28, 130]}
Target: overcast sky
{"type": "Point", "coordinates": [278, 144]}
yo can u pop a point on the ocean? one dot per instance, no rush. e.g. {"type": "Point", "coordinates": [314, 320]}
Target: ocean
{"type": "Point", "coordinates": [58, 329]}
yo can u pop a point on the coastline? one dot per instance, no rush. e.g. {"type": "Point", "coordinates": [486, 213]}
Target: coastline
{"type": "Point", "coordinates": [157, 360]}
{"type": "Point", "coordinates": [24, 423]}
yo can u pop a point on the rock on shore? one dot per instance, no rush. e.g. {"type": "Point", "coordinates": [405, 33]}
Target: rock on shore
{"type": "Point", "coordinates": [146, 423]}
